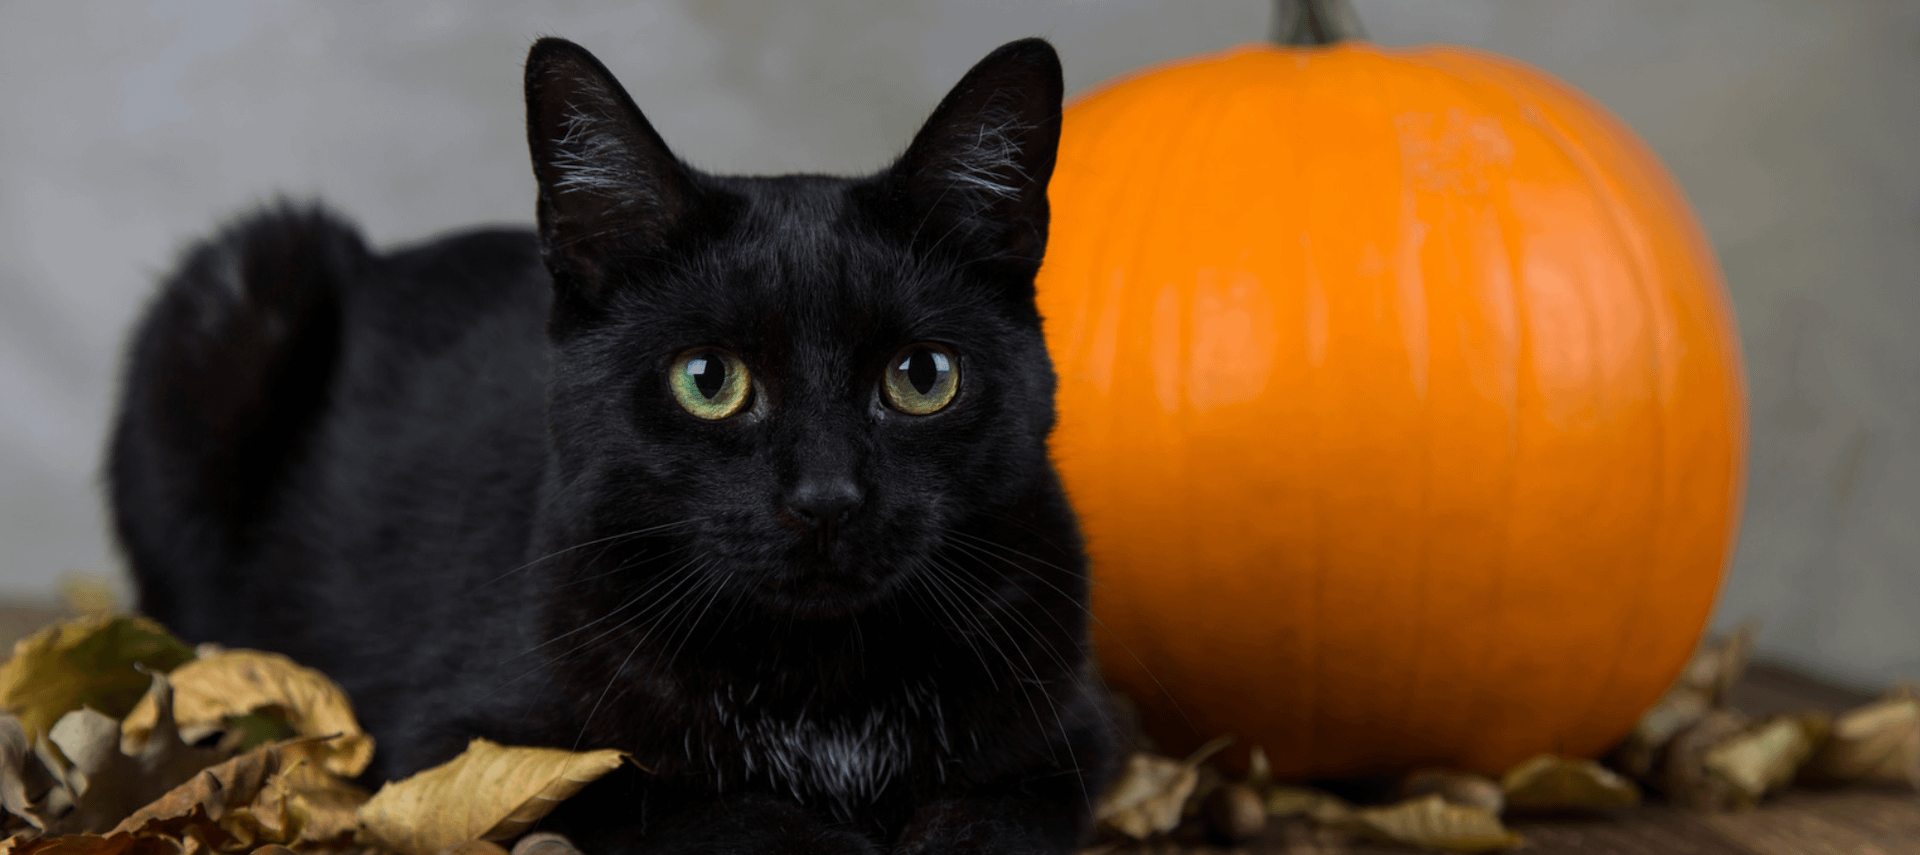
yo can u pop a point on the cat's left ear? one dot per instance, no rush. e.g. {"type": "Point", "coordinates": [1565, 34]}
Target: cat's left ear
{"type": "Point", "coordinates": [974, 181]}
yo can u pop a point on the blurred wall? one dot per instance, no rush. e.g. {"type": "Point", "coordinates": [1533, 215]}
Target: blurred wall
{"type": "Point", "coordinates": [128, 127]}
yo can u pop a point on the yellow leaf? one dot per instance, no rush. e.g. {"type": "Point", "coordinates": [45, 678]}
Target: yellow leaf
{"type": "Point", "coordinates": [93, 661]}
{"type": "Point", "coordinates": [229, 683]}
{"type": "Point", "coordinates": [1548, 782]}
{"type": "Point", "coordinates": [489, 792]}
{"type": "Point", "coordinates": [1323, 808]}
{"type": "Point", "coordinates": [1431, 822]}
{"type": "Point", "coordinates": [1875, 744]}
{"type": "Point", "coordinates": [1765, 757]}
{"type": "Point", "coordinates": [1150, 795]}
{"type": "Point", "coordinates": [1460, 788]}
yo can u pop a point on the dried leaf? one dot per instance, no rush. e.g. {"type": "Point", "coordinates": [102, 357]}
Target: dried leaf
{"type": "Point", "coordinates": [1323, 808]}
{"type": "Point", "coordinates": [326, 805]}
{"type": "Point", "coordinates": [489, 792]}
{"type": "Point", "coordinates": [211, 691]}
{"type": "Point", "coordinates": [1717, 665]}
{"type": "Point", "coordinates": [1683, 771]}
{"type": "Point", "coordinates": [89, 594]}
{"type": "Point", "coordinates": [91, 844]}
{"type": "Point", "coordinates": [25, 782]}
{"type": "Point", "coordinates": [109, 784]}
{"type": "Point", "coordinates": [545, 843]}
{"type": "Point", "coordinates": [1150, 796]}
{"type": "Point", "coordinates": [1700, 689]}
{"type": "Point", "coordinates": [1765, 757]}
{"type": "Point", "coordinates": [1878, 743]}
{"type": "Point", "coordinates": [475, 847]}
{"type": "Point", "coordinates": [1431, 822]}
{"type": "Point", "coordinates": [198, 806]}
{"type": "Point", "coordinates": [1548, 782]}
{"type": "Point", "coordinates": [93, 661]}
{"type": "Point", "coordinates": [1460, 788]}
{"type": "Point", "coordinates": [1259, 769]}
{"type": "Point", "coordinates": [1236, 812]}
{"type": "Point", "coordinates": [1641, 754]}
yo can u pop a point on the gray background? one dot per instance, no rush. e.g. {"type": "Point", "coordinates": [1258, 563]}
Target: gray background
{"type": "Point", "coordinates": [129, 127]}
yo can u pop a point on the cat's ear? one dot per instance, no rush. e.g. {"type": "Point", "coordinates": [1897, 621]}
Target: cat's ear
{"type": "Point", "coordinates": [604, 173]}
{"type": "Point", "coordinates": [975, 178]}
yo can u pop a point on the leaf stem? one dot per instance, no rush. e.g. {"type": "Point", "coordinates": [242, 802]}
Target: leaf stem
{"type": "Point", "coordinates": [1315, 23]}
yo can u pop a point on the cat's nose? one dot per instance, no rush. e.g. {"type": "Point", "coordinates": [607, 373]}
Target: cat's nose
{"type": "Point", "coordinates": [824, 502]}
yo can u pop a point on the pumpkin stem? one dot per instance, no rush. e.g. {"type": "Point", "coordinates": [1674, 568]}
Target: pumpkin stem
{"type": "Point", "coordinates": [1315, 23]}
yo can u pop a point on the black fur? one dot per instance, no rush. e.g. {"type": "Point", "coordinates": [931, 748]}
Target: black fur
{"type": "Point", "coordinates": [455, 478]}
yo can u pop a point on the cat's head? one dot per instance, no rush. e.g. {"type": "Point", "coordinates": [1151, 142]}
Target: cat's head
{"type": "Point", "coordinates": [801, 385]}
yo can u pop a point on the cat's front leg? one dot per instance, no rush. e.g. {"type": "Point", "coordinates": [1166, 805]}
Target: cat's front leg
{"type": "Point", "coordinates": [1012, 824]}
{"type": "Point", "coordinates": [615, 822]}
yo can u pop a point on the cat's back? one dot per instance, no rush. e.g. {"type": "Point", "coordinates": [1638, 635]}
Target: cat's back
{"type": "Point", "coordinates": [318, 442]}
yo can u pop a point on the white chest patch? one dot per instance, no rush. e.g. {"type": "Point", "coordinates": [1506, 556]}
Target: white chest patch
{"type": "Point", "coordinates": [846, 759]}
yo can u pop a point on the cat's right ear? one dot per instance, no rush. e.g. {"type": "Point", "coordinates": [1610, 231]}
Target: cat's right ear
{"type": "Point", "coordinates": [605, 175]}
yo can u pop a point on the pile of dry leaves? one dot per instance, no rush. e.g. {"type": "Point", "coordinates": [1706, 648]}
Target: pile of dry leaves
{"type": "Point", "coordinates": [121, 740]}
{"type": "Point", "coordinates": [1691, 748]}
{"type": "Point", "coordinates": [118, 739]}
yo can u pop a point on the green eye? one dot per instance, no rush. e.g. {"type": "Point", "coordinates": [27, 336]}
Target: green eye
{"type": "Point", "coordinates": [921, 379]}
{"type": "Point", "coordinates": [709, 382]}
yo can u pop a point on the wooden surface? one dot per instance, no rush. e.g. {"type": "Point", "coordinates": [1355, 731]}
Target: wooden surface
{"type": "Point", "coordinates": [1852, 822]}
{"type": "Point", "coordinates": [1799, 822]}
{"type": "Point", "coordinates": [1802, 822]}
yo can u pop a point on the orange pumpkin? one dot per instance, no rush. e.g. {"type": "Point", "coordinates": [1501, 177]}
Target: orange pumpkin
{"type": "Point", "coordinates": [1400, 401]}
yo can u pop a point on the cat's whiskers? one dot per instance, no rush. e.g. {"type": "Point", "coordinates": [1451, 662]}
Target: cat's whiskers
{"type": "Point", "coordinates": [990, 546]}
{"type": "Point", "coordinates": [665, 577]}
{"type": "Point", "coordinates": [614, 677]}
{"type": "Point", "coordinates": [982, 597]}
{"type": "Point", "coordinates": [984, 601]}
{"type": "Point", "coordinates": [917, 582]}
{"type": "Point", "coordinates": [609, 539]}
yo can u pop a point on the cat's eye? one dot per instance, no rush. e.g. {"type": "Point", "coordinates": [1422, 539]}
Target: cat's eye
{"type": "Point", "coordinates": [921, 379]}
{"type": "Point", "coordinates": [709, 382]}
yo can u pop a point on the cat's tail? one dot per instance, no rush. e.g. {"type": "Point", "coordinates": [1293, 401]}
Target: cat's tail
{"type": "Point", "coordinates": [225, 376]}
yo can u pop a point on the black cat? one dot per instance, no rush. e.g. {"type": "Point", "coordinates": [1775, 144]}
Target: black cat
{"type": "Point", "coordinates": [748, 478]}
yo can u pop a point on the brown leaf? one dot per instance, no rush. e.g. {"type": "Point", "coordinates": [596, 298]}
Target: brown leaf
{"type": "Point", "coordinates": [1431, 822]}
{"type": "Point", "coordinates": [198, 805]}
{"type": "Point", "coordinates": [1323, 808]}
{"type": "Point", "coordinates": [232, 683]}
{"type": "Point", "coordinates": [1683, 770]}
{"type": "Point", "coordinates": [91, 844]}
{"type": "Point", "coordinates": [1460, 788]}
{"type": "Point", "coordinates": [1700, 689]}
{"type": "Point", "coordinates": [475, 847]}
{"type": "Point", "coordinates": [1236, 812]}
{"type": "Point", "coordinates": [1766, 756]}
{"type": "Point", "coordinates": [107, 783]}
{"type": "Point", "coordinates": [1717, 665]}
{"type": "Point", "coordinates": [1878, 743]}
{"type": "Point", "coordinates": [326, 805]}
{"type": "Point", "coordinates": [93, 661]}
{"type": "Point", "coordinates": [1548, 782]}
{"type": "Point", "coordinates": [24, 780]}
{"type": "Point", "coordinates": [489, 792]}
{"type": "Point", "coordinates": [1150, 795]}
